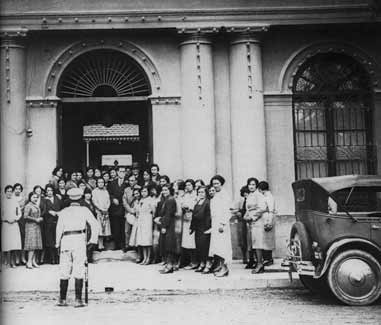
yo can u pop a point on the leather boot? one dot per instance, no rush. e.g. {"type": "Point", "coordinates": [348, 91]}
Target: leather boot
{"type": "Point", "coordinates": [78, 293]}
{"type": "Point", "coordinates": [63, 292]}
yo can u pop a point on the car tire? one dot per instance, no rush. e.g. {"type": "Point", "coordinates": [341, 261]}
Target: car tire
{"type": "Point", "coordinates": [299, 231]}
{"type": "Point", "coordinates": [319, 286]}
{"type": "Point", "coordinates": [354, 277]}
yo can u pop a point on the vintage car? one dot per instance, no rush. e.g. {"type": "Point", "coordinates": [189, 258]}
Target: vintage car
{"type": "Point", "coordinates": [335, 243]}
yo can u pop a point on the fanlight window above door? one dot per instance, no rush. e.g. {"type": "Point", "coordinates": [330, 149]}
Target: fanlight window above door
{"type": "Point", "coordinates": [103, 73]}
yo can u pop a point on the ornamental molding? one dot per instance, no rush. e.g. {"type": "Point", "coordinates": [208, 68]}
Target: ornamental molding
{"type": "Point", "coordinates": [42, 102]}
{"type": "Point", "coordinates": [69, 54]}
{"type": "Point", "coordinates": [165, 100]}
{"type": "Point", "coordinates": [175, 18]}
{"type": "Point", "coordinates": [11, 33]}
{"type": "Point", "coordinates": [277, 101]}
{"type": "Point", "coordinates": [299, 57]}
{"type": "Point", "coordinates": [212, 30]}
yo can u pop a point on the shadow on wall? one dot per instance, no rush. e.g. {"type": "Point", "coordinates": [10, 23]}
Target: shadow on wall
{"type": "Point", "coordinates": [282, 235]}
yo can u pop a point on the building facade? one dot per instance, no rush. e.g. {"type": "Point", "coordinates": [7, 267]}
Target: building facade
{"type": "Point", "coordinates": [279, 91]}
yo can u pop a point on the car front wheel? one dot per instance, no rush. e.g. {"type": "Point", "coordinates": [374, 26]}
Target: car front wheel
{"type": "Point", "coordinates": [354, 277]}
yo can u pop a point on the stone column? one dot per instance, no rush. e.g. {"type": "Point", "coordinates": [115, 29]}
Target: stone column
{"type": "Point", "coordinates": [247, 110]}
{"type": "Point", "coordinates": [198, 122]}
{"type": "Point", "coordinates": [166, 134]}
{"type": "Point", "coordinates": [222, 111]}
{"type": "Point", "coordinates": [13, 112]}
{"type": "Point", "coordinates": [42, 150]}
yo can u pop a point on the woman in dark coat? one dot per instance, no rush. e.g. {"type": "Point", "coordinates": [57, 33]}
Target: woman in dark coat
{"type": "Point", "coordinates": [201, 225]}
{"type": "Point", "coordinates": [52, 204]}
{"type": "Point", "coordinates": [167, 216]}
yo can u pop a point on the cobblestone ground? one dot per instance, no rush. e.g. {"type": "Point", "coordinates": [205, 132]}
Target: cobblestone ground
{"type": "Point", "coordinates": [296, 306]}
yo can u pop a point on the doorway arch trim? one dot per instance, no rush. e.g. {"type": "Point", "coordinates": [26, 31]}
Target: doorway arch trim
{"type": "Point", "coordinates": [69, 54]}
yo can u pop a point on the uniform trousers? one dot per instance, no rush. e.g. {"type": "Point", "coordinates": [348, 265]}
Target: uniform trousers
{"type": "Point", "coordinates": [72, 263]}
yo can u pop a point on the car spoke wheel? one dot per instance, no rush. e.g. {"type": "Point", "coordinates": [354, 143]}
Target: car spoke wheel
{"type": "Point", "coordinates": [354, 277]}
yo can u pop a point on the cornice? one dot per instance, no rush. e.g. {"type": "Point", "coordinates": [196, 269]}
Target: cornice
{"type": "Point", "coordinates": [211, 18]}
{"type": "Point", "coordinates": [12, 33]}
{"type": "Point", "coordinates": [42, 102]}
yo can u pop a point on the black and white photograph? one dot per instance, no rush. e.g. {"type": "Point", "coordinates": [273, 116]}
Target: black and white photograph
{"type": "Point", "coordinates": [186, 162]}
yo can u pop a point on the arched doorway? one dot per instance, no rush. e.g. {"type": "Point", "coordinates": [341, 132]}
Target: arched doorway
{"type": "Point", "coordinates": [333, 117]}
{"type": "Point", "coordinates": [105, 113]}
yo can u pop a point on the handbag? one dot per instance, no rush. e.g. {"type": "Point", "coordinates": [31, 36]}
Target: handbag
{"type": "Point", "coordinates": [131, 219]}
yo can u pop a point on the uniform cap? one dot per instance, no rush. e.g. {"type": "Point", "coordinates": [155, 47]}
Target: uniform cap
{"type": "Point", "coordinates": [74, 193]}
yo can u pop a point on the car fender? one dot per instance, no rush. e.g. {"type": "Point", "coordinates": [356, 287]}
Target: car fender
{"type": "Point", "coordinates": [340, 243]}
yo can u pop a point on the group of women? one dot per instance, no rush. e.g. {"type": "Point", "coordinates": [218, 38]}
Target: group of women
{"type": "Point", "coordinates": [183, 224]}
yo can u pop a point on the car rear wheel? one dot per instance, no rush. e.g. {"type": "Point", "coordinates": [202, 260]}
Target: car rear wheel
{"type": "Point", "coordinates": [354, 277]}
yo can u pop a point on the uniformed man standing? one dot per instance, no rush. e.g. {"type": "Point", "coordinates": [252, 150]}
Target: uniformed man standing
{"type": "Point", "coordinates": [72, 241]}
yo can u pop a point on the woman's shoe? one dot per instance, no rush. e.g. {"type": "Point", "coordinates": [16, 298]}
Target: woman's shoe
{"type": "Point", "coordinates": [194, 266]}
{"type": "Point", "coordinates": [251, 265]}
{"type": "Point", "coordinates": [166, 270]}
{"type": "Point", "coordinates": [200, 268]}
{"type": "Point", "coordinates": [259, 269]}
{"type": "Point", "coordinates": [223, 272]}
{"type": "Point", "coordinates": [207, 270]}
{"type": "Point", "coordinates": [268, 262]}
{"type": "Point", "coordinates": [29, 266]}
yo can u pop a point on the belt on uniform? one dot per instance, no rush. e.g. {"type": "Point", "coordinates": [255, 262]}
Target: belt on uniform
{"type": "Point", "coordinates": [74, 232]}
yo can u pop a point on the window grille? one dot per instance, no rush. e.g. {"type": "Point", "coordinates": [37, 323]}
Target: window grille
{"type": "Point", "coordinates": [332, 115]}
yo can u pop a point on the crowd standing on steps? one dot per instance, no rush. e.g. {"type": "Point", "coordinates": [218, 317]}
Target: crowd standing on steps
{"type": "Point", "coordinates": [181, 224]}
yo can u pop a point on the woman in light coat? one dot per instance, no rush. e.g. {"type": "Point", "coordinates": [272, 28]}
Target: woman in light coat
{"type": "Point", "coordinates": [220, 241]}
{"type": "Point", "coordinates": [101, 201]}
{"type": "Point", "coordinates": [188, 244]}
{"type": "Point", "coordinates": [10, 231]}
{"type": "Point", "coordinates": [145, 211]}
{"type": "Point", "coordinates": [255, 207]}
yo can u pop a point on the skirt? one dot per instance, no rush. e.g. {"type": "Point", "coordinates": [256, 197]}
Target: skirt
{"type": "Point", "coordinates": [144, 231]}
{"type": "Point", "coordinates": [33, 238]}
{"type": "Point", "coordinates": [220, 243]}
{"type": "Point", "coordinates": [10, 237]}
{"type": "Point", "coordinates": [187, 240]}
{"type": "Point", "coordinates": [133, 236]}
{"type": "Point", "coordinates": [262, 239]}
{"type": "Point", "coordinates": [104, 224]}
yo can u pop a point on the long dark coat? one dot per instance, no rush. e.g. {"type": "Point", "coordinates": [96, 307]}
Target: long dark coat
{"type": "Point", "coordinates": [201, 220]}
{"type": "Point", "coordinates": [116, 192]}
{"type": "Point", "coordinates": [50, 221]}
{"type": "Point", "coordinates": [168, 218]}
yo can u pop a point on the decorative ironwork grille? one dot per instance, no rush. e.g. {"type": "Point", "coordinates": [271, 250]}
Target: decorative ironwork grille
{"type": "Point", "coordinates": [332, 113]}
{"type": "Point", "coordinates": [103, 73]}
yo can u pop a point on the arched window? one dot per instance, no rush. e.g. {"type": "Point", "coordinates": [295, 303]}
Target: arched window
{"type": "Point", "coordinates": [332, 112]}
{"type": "Point", "coordinates": [103, 73]}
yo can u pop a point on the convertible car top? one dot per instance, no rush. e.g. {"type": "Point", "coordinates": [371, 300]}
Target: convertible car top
{"type": "Point", "coordinates": [336, 183]}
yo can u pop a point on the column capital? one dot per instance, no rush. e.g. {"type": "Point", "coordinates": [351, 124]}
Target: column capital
{"type": "Point", "coordinates": [13, 37]}
{"type": "Point", "coordinates": [195, 38]}
{"type": "Point", "coordinates": [42, 102]}
{"type": "Point", "coordinates": [247, 37]}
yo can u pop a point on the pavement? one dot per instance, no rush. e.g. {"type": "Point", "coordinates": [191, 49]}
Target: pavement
{"type": "Point", "coordinates": [117, 270]}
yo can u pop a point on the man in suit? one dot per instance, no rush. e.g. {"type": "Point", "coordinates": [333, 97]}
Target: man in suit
{"type": "Point", "coordinates": [116, 189]}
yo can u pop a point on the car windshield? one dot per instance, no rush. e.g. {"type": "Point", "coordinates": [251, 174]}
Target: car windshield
{"type": "Point", "coordinates": [358, 199]}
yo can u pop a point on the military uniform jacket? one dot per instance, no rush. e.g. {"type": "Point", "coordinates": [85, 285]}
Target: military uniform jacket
{"type": "Point", "coordinates": [74, 218]}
